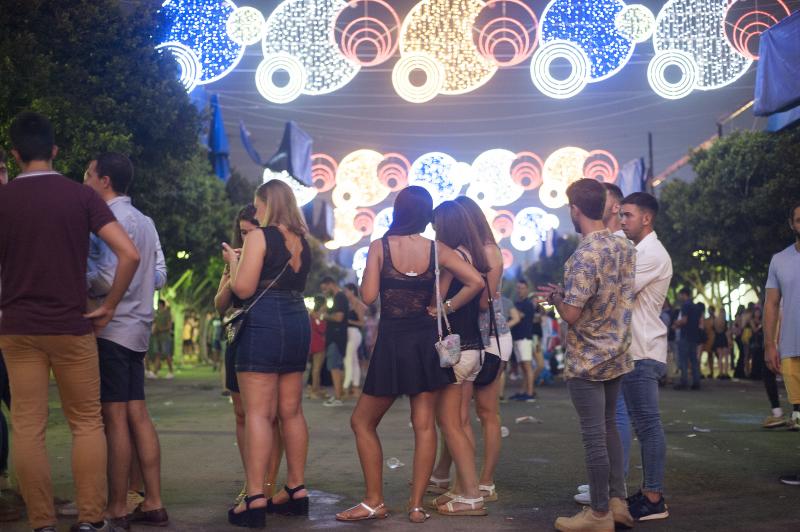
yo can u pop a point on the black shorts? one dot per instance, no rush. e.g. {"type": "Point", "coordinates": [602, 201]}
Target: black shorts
{"type": "Point", "coordinates": [121, 373]}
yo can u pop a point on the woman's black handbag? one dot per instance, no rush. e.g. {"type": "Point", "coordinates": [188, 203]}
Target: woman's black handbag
{"type": "Point", "coordinates": [234, 324]}
{"type": "Point", "coordinates": [491, 362]}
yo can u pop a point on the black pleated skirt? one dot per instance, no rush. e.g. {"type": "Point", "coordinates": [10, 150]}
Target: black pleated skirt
{"type": "Point", "coordinates": [404, 361]}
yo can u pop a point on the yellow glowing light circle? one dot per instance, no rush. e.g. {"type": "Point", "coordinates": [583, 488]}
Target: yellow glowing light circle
{"type": "Point", "coordinates": [565, 165]}
{"type": "Point", "coordinates": [358, 175]}
{"type": "Point", "coordinates": [553, 194]}
{"type": "Point", "coordinates": [267, 87]}
{"type": "Point", "coordinates": [434, 77]}
{"type": "Point", "coordinates": [245, 25]}
{"type": "Point", "coordinates": [444, 29]}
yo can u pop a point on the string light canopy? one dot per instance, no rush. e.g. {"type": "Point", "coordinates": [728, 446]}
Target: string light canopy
{"type": "Point", "coordinates": [745, 28]}
{"type": "Point", "coordinates": [492, 172]}
{"type": "Point", "coordinates": [531, 227]}
{"type": "Point", "coordinates": [436, 173]}
{"type": "Point", "coordinates": [245, 25]}
{"type": "Point", "coordinates": [201, 27]}
{"type": "Point", "coordinates": [636, 22]}
{"type": "Point", "coordinates": [368, 39]}
{"type": "Point", "coordinates": [509, 26]}
{"type": "Point", "coordinates": [358, 176]}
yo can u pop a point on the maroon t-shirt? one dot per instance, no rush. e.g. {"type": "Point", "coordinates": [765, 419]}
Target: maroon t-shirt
{"type": "Point", "coordinates": [45, 220]}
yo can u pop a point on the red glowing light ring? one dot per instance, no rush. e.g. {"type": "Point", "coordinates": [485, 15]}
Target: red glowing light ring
{"type": "Point", "coordinates": [508, 258]}
{"type": "Point", "coordinates": [601, 165]}
{"type": "Point", "coordinates": [503, 223]}
{"type": "Point", "coordinates": [364, 221]}
{"type": "Point", "coordinates": [518, 36]}
{"type": "Point", "coordinates": [323, 172]}
{"type": "Point", "coordinates": [742, 33]}
{"type": "Point", "coordinates": [383, 39]}
{"type": "Point", "coordinates": [396, 169]}
{"type": "Point", "coordinates": [523, 169]}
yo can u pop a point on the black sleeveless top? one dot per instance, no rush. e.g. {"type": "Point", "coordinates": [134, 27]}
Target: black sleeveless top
{"type": "Point", "coordinates": [405, 296]}
{"type": "Point", "coordinates": [277, 255]}
{"type": "Point", "coordinates": [465, 321]}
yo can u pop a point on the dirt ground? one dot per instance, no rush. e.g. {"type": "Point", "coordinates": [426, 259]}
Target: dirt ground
{"type": "Point", "coordinates": [722, 468]}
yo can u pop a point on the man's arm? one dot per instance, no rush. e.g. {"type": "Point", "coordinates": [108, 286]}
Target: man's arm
{"type": "Point", "coordinates": [161, 264]}
{"type": "Point", "coordinates": [771, 310]}
{"type": "Point", "coordinates": [100, 268]}
{"type": "Point", "coordinates": [127, 261]}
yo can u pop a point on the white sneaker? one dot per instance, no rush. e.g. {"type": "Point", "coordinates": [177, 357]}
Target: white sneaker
{"type": "Point", "coordinates": [69, 509]}
{"type": "Point", "coordinates": [150, 375]}
{"type": "Point", "coordinates": [584, 498]}
{"type": "Point", "coordinates": [170, 375]}
{"type": "Point", "coordinates": [332, 402]}
{"type": "Point", "coordinates": [583, 488]}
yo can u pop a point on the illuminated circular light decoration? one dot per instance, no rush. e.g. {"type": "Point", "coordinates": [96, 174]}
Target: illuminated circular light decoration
{"type": "Point", "coordinates": [266, 85]}
{"type": "Point", "coordinates": [508, 258]}
{"type": "Point", "coordinates": [444, 29]}
{"type": "Point", "coordinates": [551, 86]}
{"type": "Point", "coordinates": [434, 172]}
{"type": "Point", "coordinates": [564, 165]}
{"type": "Point", "coordinates": [358, 174]}
{"type": "Point", "coordinates": [346, 196]}
{"type": "Point", "coordinates": [344, 230]}
{"type": "Point", "coordinates": [503, 224]}
{"type": "Point", "coordinates": [553, 221]}
{"type": "Point", "coordinates": [517, 32]}
{"type": "Point", "coordinates": [200, 25]}
{"type": "Point", "coordinates": [672, 90]}
{"type": "Point", "coordinates": [745, 32]}
{"type": "Point", "coordinates": [531, 226]}
{"type": "Point", "coordinates": [393, 171]}
{"type": "Point", "coordinates": [526, 170]}
{"type": "Point", "coordinates": [364, 221]}
{"type": "Point", "coordinates": [188, 64]}
{"type": "Point", "coordinates": [492, 169]}
{"type": "Point", "coordinates": [360, 261]}
{"type": "Point", "coordinates": [434, 77]}
{"type": "Point", "coordinates": [245, 25]}
{"type": "Point", "coordinates": [302, 193]}
{"type": "Point", "coordinates": [601, 165]}
{"type": "Point", "coordinates": [368, 32]}
{"type": "Point", "coordinates": [636, 22]}
{"type": "Point", "coordinates": [305, 30]}
{"type": "Point", "coordinates": [382, 222]}
{"type": "Point", "coordinates": [696, 27]}
{"type": "Point", "coordinates": [323, 171]}
{"type": "Point", "coordinates": [591, 26]}
{"type": "Point", "coordinates": [553, 194]}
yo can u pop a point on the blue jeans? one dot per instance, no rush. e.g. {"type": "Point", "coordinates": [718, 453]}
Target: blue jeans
{"type": "Point", "coordinates": [624, 429]}
{"type": "Point", "coordinates": [640, 388]}
{"type": "Point", "coordinates": [687, 351]}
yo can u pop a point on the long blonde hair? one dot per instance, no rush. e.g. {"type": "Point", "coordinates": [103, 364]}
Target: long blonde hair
{"type": "Point", "coordinates": [281, 207]}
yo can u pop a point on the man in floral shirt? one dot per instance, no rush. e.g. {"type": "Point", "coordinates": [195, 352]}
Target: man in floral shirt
{"type": "Point", "coordinates": [597, 303]}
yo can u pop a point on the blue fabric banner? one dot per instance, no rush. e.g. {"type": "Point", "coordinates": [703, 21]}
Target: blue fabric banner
{"type": "Point", "coordinates": [778, 76]}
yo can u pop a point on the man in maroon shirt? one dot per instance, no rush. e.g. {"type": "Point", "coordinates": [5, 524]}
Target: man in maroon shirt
{"type": "Point", "coordinates": [45, 221]}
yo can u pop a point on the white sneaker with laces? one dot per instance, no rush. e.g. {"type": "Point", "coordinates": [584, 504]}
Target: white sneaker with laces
{"type": "Point", "coordinates": [584, 498]}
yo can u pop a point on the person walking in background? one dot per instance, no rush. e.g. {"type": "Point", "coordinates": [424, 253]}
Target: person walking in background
{"type": "Point", "coordinates": [401, 270]}
{"type": "Point", "coordinates": [721, 346]}
{"type": "Point", "coordinates": [335, 337]}
{"type": "Point", "coordinates": [122, 346]}
{"type": "Point", "coordinates": [271, 354]}
{"type": "Point", "coordinates": [355, 322]}
{"type": "Point", "coordinates": [782, 323]}
{"type": "Point", "coordinates": [161, 344]}
{"type": "Point", "coordinates": [688, 326]}
{"type": "Point", "coordinates": [317, 347]}
{"type": "Point", "coordinates": [760, 371]}
{"type": "Point", "coordinates": [522, 333]}
{"type": "Point", "coordinates": [45, 222]}
{"type": "Point", "coordinates": [597, 301]}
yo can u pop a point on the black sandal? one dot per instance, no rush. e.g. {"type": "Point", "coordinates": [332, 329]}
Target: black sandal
{"type": "Point", "coordinates": [292, 506]}
{"type": "Point", "coordinates": [250, 517]}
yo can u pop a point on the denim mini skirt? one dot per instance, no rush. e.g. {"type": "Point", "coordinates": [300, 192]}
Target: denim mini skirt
{"type": "Point", "coordinates": [276, 335]}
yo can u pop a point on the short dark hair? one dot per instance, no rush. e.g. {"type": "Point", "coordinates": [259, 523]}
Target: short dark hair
{"type": "Point", "coordinates": [32, 136]}
{"type": "Point", "coordinates": [686, 291]}
{"type": "Point", "coordinates": [589, 196]}
{"type": "Point", "coordinates": [328, 280]}
{"type": "Point", "coordinates": [522, 281]}
{"type": "Point", "coordinates": [644, 201]}
{"type": "Point", "coordinates": [118, 168]}
{"type": "Point", "coordinates": [614, 190]}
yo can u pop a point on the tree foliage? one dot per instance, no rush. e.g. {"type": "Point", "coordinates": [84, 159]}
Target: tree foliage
{"type": "Point", "coordinates": [733, 217]}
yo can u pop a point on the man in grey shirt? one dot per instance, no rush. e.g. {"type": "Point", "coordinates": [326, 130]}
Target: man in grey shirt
{"type": "Point", "coordinates": [782, 319]}
{"type": "Point", "coordinates": [123, 343]}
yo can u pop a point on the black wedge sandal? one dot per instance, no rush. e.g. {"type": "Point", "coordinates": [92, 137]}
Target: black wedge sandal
{"type": "Point", "coordinates": [250, 517]}
{"type": "Point", "coordinates": [292, 506]}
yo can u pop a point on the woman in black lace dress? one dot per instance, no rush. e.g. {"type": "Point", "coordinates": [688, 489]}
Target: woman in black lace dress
{"type": "Point", "coordinates": [400, 268]}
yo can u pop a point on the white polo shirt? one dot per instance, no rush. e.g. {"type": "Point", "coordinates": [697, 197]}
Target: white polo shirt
{"type": "Point", "coordinates": [653, 276]}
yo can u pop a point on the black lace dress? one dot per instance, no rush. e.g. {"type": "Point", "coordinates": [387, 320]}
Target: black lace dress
{"type": "Point", "coordinates": [404, 361]}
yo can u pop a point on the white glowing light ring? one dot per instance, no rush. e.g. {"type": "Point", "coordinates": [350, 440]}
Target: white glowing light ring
{"type": "Point", "coordinates": [364, 221]}
{"type": "Point", "coordinates": [382, 222]}
{"type": "Point", "coordinates": [434, 77]}
{"type": "Point", "coordinates": [601, 165]}
{"type": "Point", "coordinates": [353, 37]}
{"type": "Point", "coordinates": [245, 26]}
{"type": "Point", "coordinates": [526, 170]}
{"type": "Point", "coordinates": [636, 22]}
{"type": "Point", "coordinates": [482, 194]}
{"type": "Point", "coordinates": [505, 29]}
{"type": "Point", "coordinates": [347, 195]}
{"type": "Point", "coordinates": [524, 240]}
{"type": "Point", "coordinates": [393, 171]}
{"type": "Point", "coordinates": [678, 89]}
{"type": "Point", "coordinates": [553, 194]}
{"type": "Point", "coordinates": [503, 224]}
{"type": "Point", "coordinates": [544, 80]}
{"type": "Point", "coordinates": [323, 172]}
{"type": "Point", "coordinates": [360, 261]}
{"type": "Point", "coordinates": [492, 168]}
{"type": "Point", "coordinates": [745, 28]}
{"type": "Point", "coordinates": [188, 63]}
{"type": "Point", "coordinates": [273, 63]}
{"type": "Point", "coordinates": [508, 258]}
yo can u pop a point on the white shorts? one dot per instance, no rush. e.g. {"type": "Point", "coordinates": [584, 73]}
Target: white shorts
{"type": "Point", "coordinates": [506, 346]}
{"type": "Point", "coordinates": [468, 366]}
{"type": "Point", "coordinates": [524, 350]}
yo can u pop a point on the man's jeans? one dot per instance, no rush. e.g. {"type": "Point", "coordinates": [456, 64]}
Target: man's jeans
{"type": "Point", "coordinates": [640, 388]}
{"type": "Point", "coordinates": [687, 353]}
{"type": "Point", "coordinates": [625, 431]}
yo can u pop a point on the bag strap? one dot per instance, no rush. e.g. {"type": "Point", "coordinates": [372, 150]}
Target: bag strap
{"type": "Point", "coordinates": [439, 307]}
{"type": "Point", "coordinates": [493, 324]}
{"type": "Point", "coordinates": [267, 288]}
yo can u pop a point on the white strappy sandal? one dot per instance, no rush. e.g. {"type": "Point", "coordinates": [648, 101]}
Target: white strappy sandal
{"type": "Point", "coordinates": [373, 513]}
{"type": "Point", "coordinates": [492, 492]}
{"type": "Point", "coordinates": [475, 507]}
{"type": "Point", "coordinates": [437, 486]}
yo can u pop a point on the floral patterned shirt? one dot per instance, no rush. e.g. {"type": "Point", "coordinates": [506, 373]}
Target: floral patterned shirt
{"type": "Point", "coordinates": [599, 278]}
